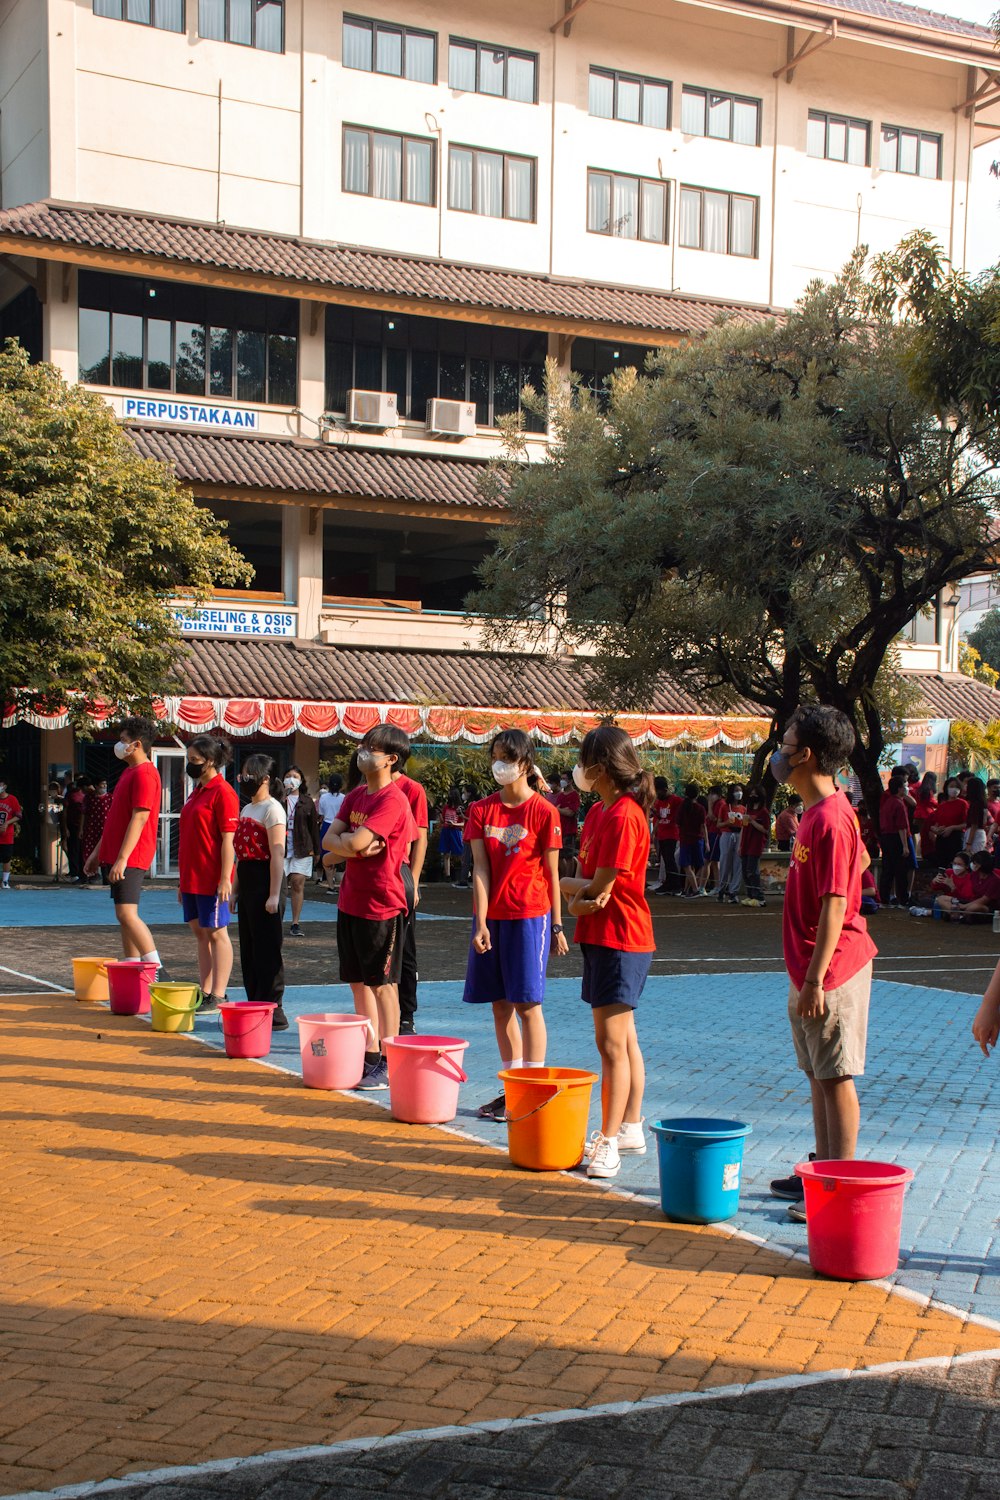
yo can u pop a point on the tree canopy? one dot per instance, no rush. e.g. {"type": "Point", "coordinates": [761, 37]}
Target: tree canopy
{"type": "Point", "coordinates": [94, 543]}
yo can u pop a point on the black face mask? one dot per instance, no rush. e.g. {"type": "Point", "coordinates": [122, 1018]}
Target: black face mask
{"type": "Point", "coordinates": [196, 769]}
{"type": "Point", "coordinates": [252, 784]}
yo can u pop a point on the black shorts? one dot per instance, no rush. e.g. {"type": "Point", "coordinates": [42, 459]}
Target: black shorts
{"type": "Point", "coordinates": [370, 952]}
{"type": "Point", "coordinates": [127, 891]}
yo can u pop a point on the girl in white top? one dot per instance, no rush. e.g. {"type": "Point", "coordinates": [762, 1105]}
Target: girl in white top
{"type": "Point", "coordinates": [260, 868]}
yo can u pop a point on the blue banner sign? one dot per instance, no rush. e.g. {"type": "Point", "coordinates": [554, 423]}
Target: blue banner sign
{"type": "Point", "coordinates": [189, 413]}
{"type": "Point", "coordinates": [214, 620]}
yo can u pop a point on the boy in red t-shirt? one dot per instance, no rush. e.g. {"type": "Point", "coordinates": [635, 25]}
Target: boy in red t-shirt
{"type": "Point", "coordinates": [666, 833]}
{"type": "Point", "coordinates": [10, 821]}
{"type": "Point", "coordinates": [828, 953]}
{"type": "Point", "coordinates": [373, 833]}
{"type": "Point", "coordinates": [413, 868]}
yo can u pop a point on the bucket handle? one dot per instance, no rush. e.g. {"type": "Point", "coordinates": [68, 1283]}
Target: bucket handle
{"type": "Point", "coordinates": [516, 1119]}
{"type": "Point", "coordinates": [254, 1025]}
{"type": "Point", "coordinates": [444, 1056]}
{"type": "Point", "coordinates": [179, 1010]}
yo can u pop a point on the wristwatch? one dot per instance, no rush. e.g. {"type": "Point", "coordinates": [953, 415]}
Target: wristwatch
{"type": "Point", "coordinates": [556, 929]}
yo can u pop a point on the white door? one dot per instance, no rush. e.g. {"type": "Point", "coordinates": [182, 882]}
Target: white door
{"type": "Point", "coordinates": [171, 765]}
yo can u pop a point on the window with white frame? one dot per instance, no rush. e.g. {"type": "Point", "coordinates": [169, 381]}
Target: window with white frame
{"type": "Point", "coordinates": [480, 68]}
{"type": "Point", "coordinates": [627, 208]}
{"type": "Point", "coordinates": [839, 138]}
{"type": "Point", "coordinates": [165, 15]}
{"type": "Point", "coordinates": [397, 51]}
{"type": "Point", "coordinates": [250, 23]}
{"type": "Point", "coordinates": [492, 183]}
{"type": "Point", "coordinates": [624, 96]}
{"type": "Point", "coordinates": [915, 152]}
{"type": "Point", "coordinates": [382, 164]}
{"type": "Point", "coordinates": [724, 223]}
{"type": "Point", "coordinates": [722, 117]}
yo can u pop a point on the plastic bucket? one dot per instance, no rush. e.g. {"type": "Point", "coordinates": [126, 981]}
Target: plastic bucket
{"type": "Point", "coordinates": [128, 986]}
{"type": "Point", "coordinates": [853, 1215]}
{"type": "Point", "coordinates": [246, 1026]}
{"type": "Point", "coordinates": [333, 1049]}
{"type": "Point", "coordinates": [547, 1113]}
{"type": "Point", "coordinates": [90, 978]}
{"type": "Point", "coordinates": [172, 1006]}
{"type": "Point", "coordinates": [700, 1164]}
{"type": "Point", "coordinates": [425, 1074]}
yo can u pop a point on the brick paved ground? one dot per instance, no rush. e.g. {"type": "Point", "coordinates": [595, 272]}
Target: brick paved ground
{"type": "Point", "coordinates": [205, 1260]}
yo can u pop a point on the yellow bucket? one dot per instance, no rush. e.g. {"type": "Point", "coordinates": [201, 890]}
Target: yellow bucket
{"type": "Point", "coordinates": [173, 1006]}
{"type": "Point", "coordinates": [90, 978]}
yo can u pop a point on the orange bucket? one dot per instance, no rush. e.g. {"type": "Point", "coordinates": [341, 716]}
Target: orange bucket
{"type": "Point", "coordinates": [90, 978]}
{"type": "Point", "coordinates": [547, 1113]}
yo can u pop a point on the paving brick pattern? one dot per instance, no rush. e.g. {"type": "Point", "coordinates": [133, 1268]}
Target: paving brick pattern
{"type": "Point", "coordinates": [205, 1260]}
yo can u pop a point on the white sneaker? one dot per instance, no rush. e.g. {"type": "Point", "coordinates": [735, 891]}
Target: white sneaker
{"type": "Point", "coordinates": [632, 1139]}
{"type": "Point", "coordinates": [604, 1159]}
{"type": "Point", "coordinates": [920, 911]}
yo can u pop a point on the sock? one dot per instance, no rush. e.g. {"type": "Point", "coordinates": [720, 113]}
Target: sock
{"type": "Point", "coordinates": [371, 1058]}
{"type": "Point", "coordinates": [151, 958]}
{"type": "Point", "coordinates": [529, 1064]}
{"type": "Point", "coordinates": [515, 1062]}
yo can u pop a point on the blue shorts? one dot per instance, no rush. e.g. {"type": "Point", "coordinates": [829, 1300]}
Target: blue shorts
{"type": "Point", "coordinates": [692, 855]}
{"type": "Point", "coordinates": [514, 968]}
{"type": "Point", "coordinates": [450, 842]}
{"type": "Point", "coordinates": [208, 911]}
{"type": "Point", "coordinates": [611, 977]}
{"type": "Point", "coordinates": [322, 831]}
{"type": "Point", "coordinates": [713, 849]}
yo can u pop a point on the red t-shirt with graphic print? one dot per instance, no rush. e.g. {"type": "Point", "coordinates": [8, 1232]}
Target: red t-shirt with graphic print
{"type": "Point", "coordinates": [515, 839]}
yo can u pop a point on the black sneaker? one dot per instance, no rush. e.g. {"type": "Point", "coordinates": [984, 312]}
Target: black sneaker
{"type": "Point", "coordinates": [208, 1005]}
{"type": "Point", "coordinates": [295, 930]}
{"type": "Point", "coordinates": [163, 977]}
{"type": "Point", "coordinates": [407, 1028]}
{"type": "Point", "coordinates": [495, 1110]}
{"type": "Point", "coordinates": [790, 1187]}
{"type": "Point", "coordinates": [461, 885]}
{"type": "Point", "coordinates": [279, 1021]}
{"type": "Point", "coordinates": [797, 1211]}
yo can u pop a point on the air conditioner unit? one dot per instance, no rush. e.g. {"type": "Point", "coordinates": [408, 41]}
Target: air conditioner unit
{"type": "Point", "coordinates": [372, 409]}
{"type": "Point", "coordinates": [451, 418]}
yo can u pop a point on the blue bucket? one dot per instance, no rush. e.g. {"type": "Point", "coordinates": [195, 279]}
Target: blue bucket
{"type": "Point", "coordinates": [700, 1166]}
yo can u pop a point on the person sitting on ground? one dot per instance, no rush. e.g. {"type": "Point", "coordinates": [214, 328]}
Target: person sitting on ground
{"type": "Point", "coordinates": [944, 885]}
{"type": "Point", "coordinates": [975, 893]}
{"type": "Point", "coordinates": [948, 824]}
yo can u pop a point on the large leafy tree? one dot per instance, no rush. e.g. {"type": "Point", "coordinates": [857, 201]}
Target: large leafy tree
{"type": "Point", "coordinates": [94, 542]}
{"type": "Point", "coordinates": [760, 516]}
{"type": "Point", "coordinates": [985, 638]}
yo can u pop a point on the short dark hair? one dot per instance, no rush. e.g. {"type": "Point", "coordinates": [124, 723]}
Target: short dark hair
{"type": "Point", "coordinates": [692, 791]}
{"type": "Point", "coordinates": [391, 741]}
{"type": "Point", "coordinates": [213, 748]}
{"type": "Point", "coordinates": [985, 861]}
{"type": "Point", "coordinates": [825, 731]}
{"type": "Point", "coordinates": [138, 728]}
{"type": "Point", "coordinates": [662, 786]}
{"type": "Point", "coordinates": [334, 782]}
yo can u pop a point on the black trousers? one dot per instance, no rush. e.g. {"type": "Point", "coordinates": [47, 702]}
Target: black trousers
{"type": "Point", "coordinates": [74, 855]}
{"type": "Point", "coordinates": [408, 978]}
{"type": "Point", "coordinates": [895, 876]}
{"type": "Point", "coordinates": [260, 932]}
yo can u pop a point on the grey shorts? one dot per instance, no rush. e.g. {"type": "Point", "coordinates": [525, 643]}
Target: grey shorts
{"type": "Point", "coordinates": [833, 1045]}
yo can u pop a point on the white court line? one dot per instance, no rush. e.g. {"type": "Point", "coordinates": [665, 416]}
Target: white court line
{"type": "Point", "coordinates": [62, 990]}
{"type": "Point", "coordinates": [502, 1424]}
{"type": "Point", "coordinates": [880, 958]}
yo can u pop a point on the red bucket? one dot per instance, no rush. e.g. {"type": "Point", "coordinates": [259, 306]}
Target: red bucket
{"type": "Point", "coordinates": [425, 1074]}
{"type": "Point", "coordinates": [128, 986]}
{"type": "Point", "coordinates": [246, 1026]}
{"type": "Point", "coordinates": [854, 1210]}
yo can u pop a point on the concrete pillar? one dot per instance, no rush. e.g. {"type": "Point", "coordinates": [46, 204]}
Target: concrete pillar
{"type": "Point", "coordinates": [60, 335]}
{"type": "Point", "coordinates": [58, 749]}
{"type": "Point", "coordinates": [312, 367]}
{"type": "Point", "coordinates": [305, 754]}
{"type": "Point", "coordinates": [302, 564]}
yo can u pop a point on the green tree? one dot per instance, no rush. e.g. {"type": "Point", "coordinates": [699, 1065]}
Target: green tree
{"type": "Point", "coordinates": [985, 638]}
{"type": "Point", "coordinates": [759, 517]}
{"type": "Point", "coordinates": [94, 542]}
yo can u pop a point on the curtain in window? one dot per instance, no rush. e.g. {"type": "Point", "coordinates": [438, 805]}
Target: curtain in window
{"type": "Point", "coordinates": [491, 70]}
{"type": "Point", "coordinates": [170, 15]}
{"type": "Point", "coordinates": [460, 179]}
{"type": "Point", "coordinates": [387, 159]}
{"type": "Point", "coordinates": [742, 225]}
{"type": "Point", "coordinates": [357, 46]}
{"type": "Point", "coordinates": [518, 189]}
{"type": "Point", "coordinates": [489, 184]}
{"type": "Point", "coordinates": [746, 122]}
{"type": "Point", "coordinates": [720, 117]}
{"type": "Point", "coordinates": [282, 369]}
{"type": "Point", "coordinates": [693, 113]}
{"type": "Point", "coordinates": [625, 213]}
{"type": "Point", "coordinates": [388, 51]}
{"type": "Point", "coordinates": [907, 151]}
{"type": "Point", "coordinates": [270, 14]}
{"type": "Point", "coordinates": [689, 230]}
{"type": "Point", "coordinates": [655, 105]}
{"type": "Point", "coordinates": [599, 202]}
{"type": "Point", "coordinates": [930, 151]}
{"type": "Point", "coordinates": [716, 222]}
{"type": "Point", "coordinates": [653, 220]}
{"type": "Point", "coordinates": [241, 21]}
{"type": "Point", "coordinates": [139, 10]}
{"type": "Point", "coordinates": [419, 171]}
{"type": "Point", "coordinates": [420, 58]}
{"type": "Point", "coordinates": [113, 10]}
{"type": "Point", "coordinates": [888, 144]}
{"type": "Point", "coordinates": [601, 99]}
{"type": "Point", "coordinates": [857, 145]}
{"type": "Point", "coordinates": [521, 79]}
{"type": "Point", "coordinates": [462, 67]}
{"type": "Point", "coordinates": [212, 20]}
{"type": "Point", "coordinates": [627, 100]}
{"type": "Point", "coordinates": [816, 136]}
{"type": "Point", "coordinates": [356, 161]}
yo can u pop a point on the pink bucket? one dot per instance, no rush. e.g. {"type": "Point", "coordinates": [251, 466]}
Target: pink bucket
{"type": "Point", "coordinates": [246, 1026]}
{"type": "Point", "coordinates": [333, 1049]}
{"type": "Point", "coordinates": [425, 1073]}
{"type": "Point", "coordinates": [128, 986]}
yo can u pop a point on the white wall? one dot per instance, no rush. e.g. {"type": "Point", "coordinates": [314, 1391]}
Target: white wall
{"type": "Point", "coordinates": [24, 135]}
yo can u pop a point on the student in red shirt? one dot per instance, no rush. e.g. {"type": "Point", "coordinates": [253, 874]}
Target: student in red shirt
{"type": "Point", "coordinates": [566, 801]}
{"type": "Point", "coordinates": [666, 833]}
{"type": "Point", "coordinates": [10, 822]}
{"type": "Point", "coordinates": [730, 831]}
{"type": "Point", "coordinates": [515, 838]}
{"type": "Point", "coordinates": [373, 833]}
{"type": "Point", "coordinates": [948, 823]}
{"type": "Point", "coordinates": [894, 836]}
{"type": "Point", "coordinates": [925, 798]}
{"type": "Point", "coordinates": [128, 842]}
{"type": "Point", "coordinates": [828, 953]}
{"type": "Point", "coordinates": [753, 842]}
{"type": "Point", "coordinates": [206, 859]}
{"type": "Point", "coordinates": [615, 932]}
{"type": "Point", "coordinates": [716, 819]}
{"type": "Point", "coordinates": [413, 868]}
{"type": "Point", "coordinates": [691, 824]}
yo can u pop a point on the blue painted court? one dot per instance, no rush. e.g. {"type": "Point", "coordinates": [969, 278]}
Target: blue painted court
{"type": "Point", "coordinates": [91, 906]}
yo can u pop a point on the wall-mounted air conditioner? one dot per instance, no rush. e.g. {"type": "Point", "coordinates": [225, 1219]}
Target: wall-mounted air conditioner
{"type": "Point", "coordinates": [451, 418]}
{"type": "Point", "coordinates": [372, 409]}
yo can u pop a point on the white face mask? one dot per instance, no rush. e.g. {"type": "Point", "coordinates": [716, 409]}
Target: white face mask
{"type": "Point", "coordinates": [583, 780]}
{"type": "Point", "coordinates": [122, 749]}
{"type": "Point", "coordinates": [506, 772]}
{"type": "Point", "coordinates": [3, 789]}
{"type": "Point", "coordinates": [737, 796]}
{"type": "Point", "coordinates": [958, 869]}
{"type": "Point", "coordinates": [953, 791]}
{"type": "Point", "coordinates": [368, 761]}
{"type": "Point", "coordinates": [292, 783]}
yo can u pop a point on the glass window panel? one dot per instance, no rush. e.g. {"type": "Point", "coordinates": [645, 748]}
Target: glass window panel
{"type": "Point", "coordinates": [110, 8]}
{"type": "Point", "coordinates": [816, 136]}
{"type": "Point", "coordinates": [716, 222]}
{"type": "Point", "coordinates": [159, 338]}
{"type": "Point", "coordinates": [857, 145]}
{"type": "Point", "coordinates": [625, 212]}
{"type": "Point", "coordinates": [653, 219]}
{"type": "Point", "coordinates": [388, 51]}
{"type": "Point", "coordinates": [270, 16]}
{"type": "Point", "coordinates": [506, 387]}
{"type": "Point", "coordinates": [212, 20]}
{"type": "Point", "coordinates": [746, 122]}
{"type": "Point", "coordinates": [189, 362]}
{"type": "Point", "coordinates": [930, 151]}
{"type": "Point", "coordinates": [419, 171]}
{"type": "Point", "coordinates": [368, 367]}
{"type": "Point", "coordinates": [601, 98]}
{"type": "Point", "coordinates": [358, 45]}
{"type": "Point", "coordinates": [907, 151]}
{"type": "Point", "coordinates": [599, 202]}
{"type": "Point", "coordinates": [693, 107]}
{"type": "Point", "coordinates": [461, 66]}
{"type": "Point", "coordinates": [420, 58]}
{"type": "Point", "coordinates": [627, 106]}
{"type": "Point", "coordinates": [720, 117]}
{"type": "Point", "coordinates": [533, 375]}
{"type": "Point", "coordinates": [521, 78]}
{"type": "Point", "coordinates": [356, 161]}
{"type": "Point", "coordinates": [339, 375]}
{"type": "Point", "coordinates": [423, 382]}
{"type": "Point", "coordinates": [220, 362]}
{"type": "Point", "coordinates": [452, 377]}
{"type": "Point", "coordinates": [656, 105]}
{"type": "Point", "coordinates": [95, 347]}
{"type": "Point", "coordinates": [836, 140]}
{"type": "Point", "coordinates": [126, 351]}
{"type": "Point", "coordinates": [170, 15]}
{"type": "Point", "coordinates": [489, 184]}
{"type": "Point", "coordinates": [518, 204]}
{"type": "Point", "coordinates": [888, 146]}
{"type": "Point", "coordinates": [479, 389]}
{"type": "Point", "coordinates": [241, 21]}
{"type": "Point", "coordinates": [139, 10]}
{"type": "Point", "coordinates": [689, 231]}
{"type": "Point", "coordinates": [387, 166]}
{"type": "Point", "coordinates": [491, 70]}
{"type": "Point", "coordinates": [742, 225]}
{"type": "Point", "coordinates": [282, 369]}
{"type": "Point", "coordinates": [460, 179]}
{"type": "Point", "coordinates": [395, 376]}
{"type": "Point", "coordinates": [251, 356]}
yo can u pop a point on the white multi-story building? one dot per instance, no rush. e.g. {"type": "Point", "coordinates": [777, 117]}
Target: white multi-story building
{"type": "Point", "coordinates": [313, 252]}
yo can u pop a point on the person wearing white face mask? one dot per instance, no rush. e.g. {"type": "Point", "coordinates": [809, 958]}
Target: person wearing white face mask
{"type": "Point", "coordinates": [515, 839]}
{"type": "Point", "coordinates": [303, 847]}
{"type": "Point", "coordinates": [730, 831]}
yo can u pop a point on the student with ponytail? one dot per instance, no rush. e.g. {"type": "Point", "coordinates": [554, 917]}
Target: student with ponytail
{"type": "Point", "coordinates": [260, 867]}
{"type": "Point", "coordinates": [615, 932]}
{"type": "Point", "coordinates": [206, 861]}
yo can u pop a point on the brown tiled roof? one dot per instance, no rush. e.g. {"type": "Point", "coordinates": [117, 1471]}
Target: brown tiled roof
{"type": "Point", "coordinates": [913, 15]}
{"type": "Point", "coordinates": [305, 468]}
{"type": "Point", "coordinates": [952, 695]}
{"type": "Point", "coordinates": [380, 273]}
